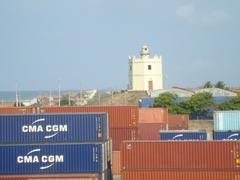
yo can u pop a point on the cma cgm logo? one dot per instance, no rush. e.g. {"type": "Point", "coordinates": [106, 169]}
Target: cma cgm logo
{"type": "Point", "coordinates": [47, 161]}
{"type": "Point", "coordinates": [233, 136]}
{"type": "Point", "coordinates": [177, 136]}
{"type": "Point", "coordinates": [36, 127]}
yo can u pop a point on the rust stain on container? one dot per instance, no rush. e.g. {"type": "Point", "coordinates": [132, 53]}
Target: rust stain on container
{"type": "Point", "coordinates": [180, 175]}
{"type": "Point", "coordinates": [16, 110]}
{"type": "Point", "coordinates": [178, 122]}
{"type": "Point", "coordinates": [153, 115]}
{"type": "Point", "coordinates": [119, 116]}
{"type": "Point", "coordinates": [120, 134]}
{"type": "Point", "coordinates": [116, 163]}
{"type": "Point", "coordinates": [150, 131]}
{"type": "Point", "coordinates": [180, 155]}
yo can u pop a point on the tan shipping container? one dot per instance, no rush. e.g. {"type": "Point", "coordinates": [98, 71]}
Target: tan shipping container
{"type": "Point", "coordinates": [180, 175]}
{"type": "Point", "coordinates": [153, 115]}
{"type": "Point", "coordinates": [180, 155]}
{"type": "Point", "coordinates": [119, 116]}
{"type": "Point", "coordinates": [116, 167]}
{"type": "Point", "coordinates": [178, 122]}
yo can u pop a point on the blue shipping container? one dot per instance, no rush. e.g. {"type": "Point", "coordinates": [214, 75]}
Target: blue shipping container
{"type": "Point", "coordinates": [226, 135]}
{"type": "Point", "coordinates": [183, 135]}
{"type": "Point", "coordinates": [53, 158]}
{"type": "Point", "coordinates": [226, 120]}
{"type": "Point", "coordinates": [36, 128]}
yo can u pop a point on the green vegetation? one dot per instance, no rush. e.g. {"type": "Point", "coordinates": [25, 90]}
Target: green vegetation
{"type": "Point", "coordinates": [65, 101]}
{"type": "Point", "coordinates": [198, 103]}
{"type": "Point", "coordinates": [219, 84]}
{"type": "Point", "coordinates": [232, 104]}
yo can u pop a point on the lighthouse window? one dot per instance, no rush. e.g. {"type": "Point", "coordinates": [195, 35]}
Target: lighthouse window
{"type": "Point", "coordinates": [149, 67]}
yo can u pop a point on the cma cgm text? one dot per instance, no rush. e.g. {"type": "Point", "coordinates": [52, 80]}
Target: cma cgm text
{"type": "Point", "coordinates": [47, 128]}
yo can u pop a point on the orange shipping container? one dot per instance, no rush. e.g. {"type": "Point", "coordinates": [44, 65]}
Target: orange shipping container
{"type": "Point", "coordinates": [178, 122]}
{"type": "Point", "coordinates": [119, 116]}
{"type": "Point", "coordinates": [180, 175]}
{"type": "Point", "coordinates": [153, 115]}
{"type": "Point", "coordinates": [116, 163]}
{"type": "Point", "coordinates": [17, 110]}
{"type": "Point", "coordinates": [52, 177]}
{"type": "Point", "coordinates": [150, 131]}
{"type": "Point", "coordinates": [180, 155]}
{"type": "Point", "coordinates": [120, 134]}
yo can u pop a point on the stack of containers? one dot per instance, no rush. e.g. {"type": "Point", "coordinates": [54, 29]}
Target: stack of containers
{"type": "Point", "coordinates": [47, 144]}
{"type": "Point", "coordinates": [226, 125]}
{"type": "Point", "coordinates": [178, 122]}
{"type": "Point", "coordinates": [183, 135]}
{"type": "Point", "coordinates": [123, 122]}
{"type": "Point", "coordinates": [151, 120]}
{"type": "Point", "coordinates": [17, 110]}
{"type": "Point", "coordinates": [182, 160]}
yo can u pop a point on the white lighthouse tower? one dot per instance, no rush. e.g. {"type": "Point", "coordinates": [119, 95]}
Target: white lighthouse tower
{"type": "Point", "coordinates": [145, 73]}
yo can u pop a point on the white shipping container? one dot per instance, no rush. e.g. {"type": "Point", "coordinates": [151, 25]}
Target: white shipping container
{"type": "Point", "coordinates": [226, 120]}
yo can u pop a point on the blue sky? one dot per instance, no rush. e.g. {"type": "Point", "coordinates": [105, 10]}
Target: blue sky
{"type": "Point", "coordinates": [87, 43]}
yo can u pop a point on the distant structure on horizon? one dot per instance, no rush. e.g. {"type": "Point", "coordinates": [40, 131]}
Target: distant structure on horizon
{"type": "Point", "coordinates": [145, 73]}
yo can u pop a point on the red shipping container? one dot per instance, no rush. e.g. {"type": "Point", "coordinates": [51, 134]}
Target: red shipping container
{"type": "Point", "coordinates": [180, 175]}
{"type": "Point", "coordinates": [153, 115]}
{"type": "Point", "coordinates": [52, 177]}
{"type": "Point", "coordinates": [120, 134]}
{"type": "Point", "coordinates": [178, 122]}
{"type": "Point", "coordinates": [180, 155]}
{"type": "Point", "coordinates": [119, 116]}
{"type": "Point", "coordinates": [150, 131]}
{"type": "Point", "coordinates": [116, 167]}
{"type": "Point", "coordinates": [17, 110]}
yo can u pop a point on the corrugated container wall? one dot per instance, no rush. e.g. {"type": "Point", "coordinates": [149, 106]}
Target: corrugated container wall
{"type": "Point", "coordinates": [226, 135]}
{"type": "Point", "coordinates": [53, 177]}
{"type": "Point", "coordinates": [226, 120]}
{"type": "Point", "coordinates": [118, 135]}
{"type": "Point", "coordinates": [180, 175]}
{"type": "Point", "coordinates": [153, 115]}
{"type": "Point", "coordinates": [183, 135]}
{"type": "Point", "coordinates": [16, 110]}
{"type": "Point", "coordinates": [116, 167]}
{"type": "Point", "coordinates": [34, 128]}
{"type": "Point", "coordinates": [119, 116]}
{"type": "Point", "coordinates": [53, 158]}
{"type": "Point", "coordinates": [150, 131]}
{"type": "Point", "coordinates": [178, 122]}
{"type": "Point", "coordinates": [180, 155]}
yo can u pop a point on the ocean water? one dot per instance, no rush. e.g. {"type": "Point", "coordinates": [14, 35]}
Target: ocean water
{"type": "Point", "coordinates": [10, 96]}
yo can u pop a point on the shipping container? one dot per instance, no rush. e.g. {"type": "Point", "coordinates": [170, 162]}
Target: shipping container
{"type": "Point", "coordinates": [182, 135]}
{"type": "Point", "coordinates": [93, 176]}
{"type": "Point", "coordinates": [226, 135]}
{"type": "Point", "coordinates": [153, 115]}
{"type": "Point", "coordinates": [226, 120]}
{"type": "Point", "coordinates": [180, 155]}
{"type": "Point", "coordinates": [17, 110]}
{"type": "Point", "coordinates": [53, 158]}
{"type": "Point", "coordinates": [146, 102]}
{"type": "Point", "coordinates": [119, 116]}
{"type": "Point", "coordinates": [37, 128]}
{"type": "Point", "coordinates": [180, 175]}
{"type": "Point", "coordinates": [116, 168]}
{"type": "Point", "coordinates": [150, 131]}
{"type": "Point", "coordinates": [178, 122]}
{"type": "Point", "coordinates": [120, 134]}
